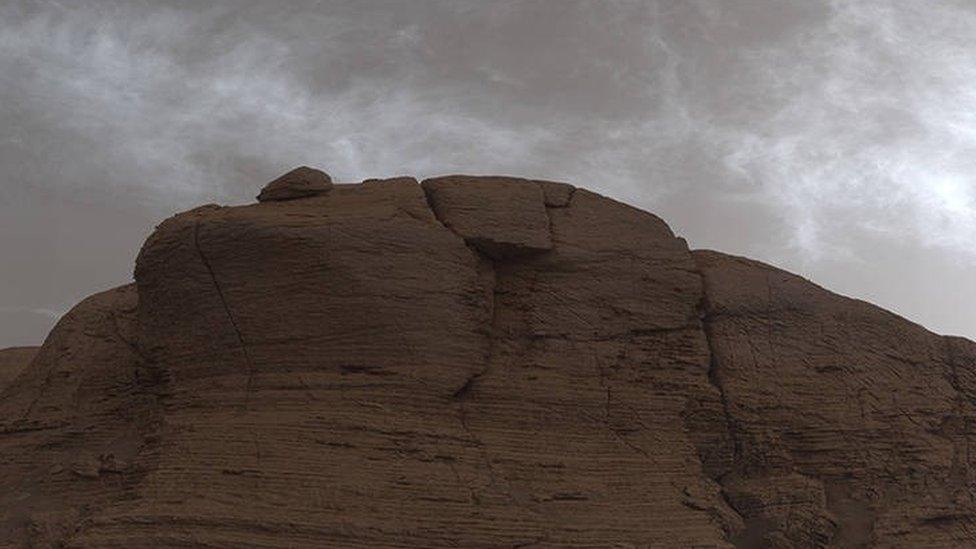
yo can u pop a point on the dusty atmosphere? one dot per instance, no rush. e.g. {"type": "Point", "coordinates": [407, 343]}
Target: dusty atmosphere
{"type": "Point", "coordinates": [708, 281]}
{"type": "Point", "coordinates": [834, 139]}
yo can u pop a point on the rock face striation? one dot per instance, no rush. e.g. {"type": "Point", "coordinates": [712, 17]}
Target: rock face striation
{"type": "Point", "coordinates": [478, 362]}
{"type": "Point", "coordinates": [13, 360]}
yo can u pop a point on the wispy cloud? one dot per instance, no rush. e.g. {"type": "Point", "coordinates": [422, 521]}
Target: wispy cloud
{"type": "Point", "coordinates": [153, 121]}
{"type": "Point", "coordinates": [34, 311]}
{"type": "Point", "coordinates": [808, 133]}
{"type": "Point", "coordinates": [876, 130]}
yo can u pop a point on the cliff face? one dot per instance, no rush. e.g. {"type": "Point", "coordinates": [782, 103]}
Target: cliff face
{"type": "Point", "coordinates": [13, 361]}
{"type": "Point", "coordinates": [478, 362]}
{"type": "Point", "coordinates": [851, 425]}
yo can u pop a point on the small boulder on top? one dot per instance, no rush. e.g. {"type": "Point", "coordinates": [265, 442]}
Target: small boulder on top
{"type": "Point", "coordinates": [301, 182]}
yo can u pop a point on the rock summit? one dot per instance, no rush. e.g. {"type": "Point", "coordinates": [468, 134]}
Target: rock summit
{"type": "Point", "coordinates": [302, 182]}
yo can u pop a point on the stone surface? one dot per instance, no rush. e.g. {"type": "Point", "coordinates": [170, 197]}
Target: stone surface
{"type": "Point", "coordinates": [479, 362]}
{"type": "Point", "coordinates": [78, 428]}
{"type": "Point", "coordinates": [500, 216]}
{"type": "Point", "coordinates": [555, 194]}
{"type": "Point", "coordinates": [302, 182]}
{"type": "Point", "coordinates": [12, 361]}
{"type": "Point", "coordinates": [851, 425]}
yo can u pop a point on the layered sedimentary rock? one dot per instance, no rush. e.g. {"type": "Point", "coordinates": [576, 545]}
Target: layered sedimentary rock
{"type": "Point", "coordinates": [479, 362]}
{"type": "Point", "coordinates": [77, 426]}
{"type": "Point", "coordinates": [852, 426]}
{"type": "Point", "coordinates": [13, 360]}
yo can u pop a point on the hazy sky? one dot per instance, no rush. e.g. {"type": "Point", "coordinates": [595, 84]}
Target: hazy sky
{"type": "Point", "coordinates": [834, 139]}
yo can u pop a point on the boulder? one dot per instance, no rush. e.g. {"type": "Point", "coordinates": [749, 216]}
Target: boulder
{"type": "Point", "coordinates": [499, 216]}
{"type": "Point", "coordinates": [302, 182]}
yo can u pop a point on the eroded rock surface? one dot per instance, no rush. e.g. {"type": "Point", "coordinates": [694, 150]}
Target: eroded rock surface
{"type": "Point", "coordinates": [78, 427]}
{"type": "Point", "coordinates": [479, 362]}
{"type": "Point", "coordinates": [301, 182]}
{"type": "Point", "coordinates": [851, 425]}
{"type": "Point", "coordinates": [13, 360]}
{"type": "Point", "coordinates": [500, 216]}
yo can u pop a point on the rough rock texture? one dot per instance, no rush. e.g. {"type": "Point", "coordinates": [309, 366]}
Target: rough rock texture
{"type": "Point", "coordinates": [77, 428]}
{"type": "Point", "coordinates": [500, 216]}
{"type": "Point", "coordinates": [851, 425]}
{"type": "Point", "coordinates": [479, 362]}
{"type": "Point", "coordinates": [301, 182]}
{"type": "Point", "coordinates": [12, 361]}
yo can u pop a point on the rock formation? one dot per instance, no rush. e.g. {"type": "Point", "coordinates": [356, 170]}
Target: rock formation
{"type": "Point", "coordinates": [13, 360]}
{"type": "Point", "coordinates": [479, 362]}
{"type": "Point", "coordinates": [302, 182]}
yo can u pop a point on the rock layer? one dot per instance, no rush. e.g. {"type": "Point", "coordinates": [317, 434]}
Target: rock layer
{"type": "Point", "coordinates": [499, 216]}
{"type": "Point", "coordinates": [851, 425]}
{"type": "Point", "coordinates": [479, 362]}
{"type": "Point", "coordinates": [13, 360]}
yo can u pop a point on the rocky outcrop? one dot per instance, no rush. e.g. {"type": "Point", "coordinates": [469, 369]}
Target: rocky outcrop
{"type": "Point", "coordinates": [479, 362]}
{"type": "Point", "coordinates": [13, 360]}
{"type": "Point", "coordinates": [78, 427]}
{"type": "Point", "coordinates": [302, 182]}
{"type": "Point", "coordinates": [851, 425]}
{"type": "Point", "coordinates": [501, 217]}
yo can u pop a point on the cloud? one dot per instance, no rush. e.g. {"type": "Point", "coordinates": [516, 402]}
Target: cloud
{"type": "Point", "coordinates": [804, 133]}
{"type": "Point", "coordinates": [876, 131]}
{"type": "Point", "coordinates": [34, 311]}
{"type": "Point", "coordinates": [137, 116]}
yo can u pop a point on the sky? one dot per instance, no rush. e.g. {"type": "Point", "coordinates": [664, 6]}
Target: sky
{"type": "Point", "coordinates": [834, 139]}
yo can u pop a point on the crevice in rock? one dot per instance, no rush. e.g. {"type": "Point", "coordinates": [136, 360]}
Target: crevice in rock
{"type": "Point", "coordinates": [546, 206]}
{"type": "Point", "coordinates": [572, 195]}
{"type": "Point", "coordinates": [715, 379]}
{"type": "Point", "coordinates": [130, 345]}
{"type": "Point", "coordinates": [248, 363]}
{"type": "Point", "coordinates": [461, 395]}
{"type": "Point", "coordinates": [484, 236]}
{"type": "Point", "coordinates": [150, 380]}
{"type": "Point", "coordinates": [464, 391]}
{"type": "Point", "coordinates": [491, 330]}
{"type": "Point", "coordinates": [552, 204]}
{"type": "Point", "coordinates": [617, 434]}
{"type": "Point", "coordinates": [606, 421]}
{"type": "Point", "coordinates": [429, 198]}
{"type": "Point", "coordinates": [956, 425]}
{"type": "Point", "coordinates": [48, 379]}
{"type": "Point", "coordinates": [552, 234]}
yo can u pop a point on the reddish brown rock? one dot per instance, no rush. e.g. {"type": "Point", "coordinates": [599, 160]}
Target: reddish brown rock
{"type": "Point", "coordinates": [556, 195]}
{"type": "Point", "coordinates": [78, 427]}
{"type": "Point", "coordinates": [478, 362]}
{"type": "Point", "coordinates": [12, 361]}
{"type": "Point", "coordinates": [302, 182]}
{"type": "Point", "coordinates": [500, 216]}
{"type": "Point", "coordinates": [355, 368]}
{"type": "Point", "coordinates": [850, 423]}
